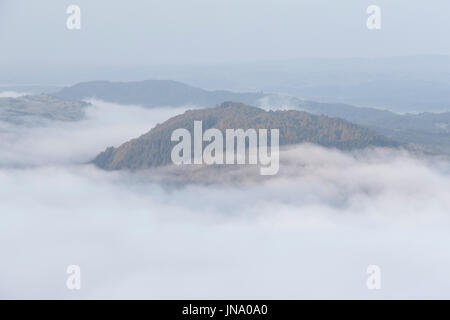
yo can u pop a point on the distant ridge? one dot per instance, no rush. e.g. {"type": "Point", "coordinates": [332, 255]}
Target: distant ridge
{"type": "Point", "coordinates": [153, 93]}
{"type": "Point", "coordinates": [154, 148]}
{"type": "Point", "coordinates": [427, 131]}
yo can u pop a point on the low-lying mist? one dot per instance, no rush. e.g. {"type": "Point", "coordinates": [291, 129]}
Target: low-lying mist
{"type": "Point", "coordinates": [106, 124]}
{"type": "Point", "coordinates": [12, 94]}
{"type": "Point", "coordinates": [308, 232]}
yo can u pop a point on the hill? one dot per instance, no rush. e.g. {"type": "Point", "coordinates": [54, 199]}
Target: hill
{"type": "Point", "coordinates": [153, 93]}
{"type": "Point", "coordinates": [154, 148]}
{"type": "Point", "coordinates": [32, 110]}
{"type": "Point", "coordinates": [428, 131]}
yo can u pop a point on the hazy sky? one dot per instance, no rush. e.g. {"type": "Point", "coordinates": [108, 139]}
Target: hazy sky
{"type": "Point", "coordinates": [137, 32]}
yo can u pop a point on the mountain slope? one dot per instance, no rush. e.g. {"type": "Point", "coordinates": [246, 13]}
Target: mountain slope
{"type": "Point", "coordinates": [154, 148]}
{"type": "Point", "coordinates": [31, 110]}
{"type": "Point", "coordinates": [430, 131]}
{"type": "Point", "coordinates": [153, 93]}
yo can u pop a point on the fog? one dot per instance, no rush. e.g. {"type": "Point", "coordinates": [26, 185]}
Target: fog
{"type": "Point", "coordinates": [106, 124]}
{"type": "Point", "coordinates": [11, 94]}
{"type": "Point", "coordinates": [308, 232]}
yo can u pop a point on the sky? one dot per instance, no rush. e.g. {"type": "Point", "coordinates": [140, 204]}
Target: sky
{"type": "Point", "coordinates": [153, 32]}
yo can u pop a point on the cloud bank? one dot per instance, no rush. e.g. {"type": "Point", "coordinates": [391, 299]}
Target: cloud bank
{"type": "Point", "coordinates": [12, 94]}
{"type": "Point", "coordinates": [309, 232]}
{"type": "Point", "coordinates": [106, 124]}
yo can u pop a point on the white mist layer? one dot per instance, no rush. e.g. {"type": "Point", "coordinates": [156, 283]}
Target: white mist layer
{"type": "Point", "coordinates": [12, 94]}
{"type": "Point", "coordinates": [106, 124]}
{"type": "Point", "coordinates": [309, 232]}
